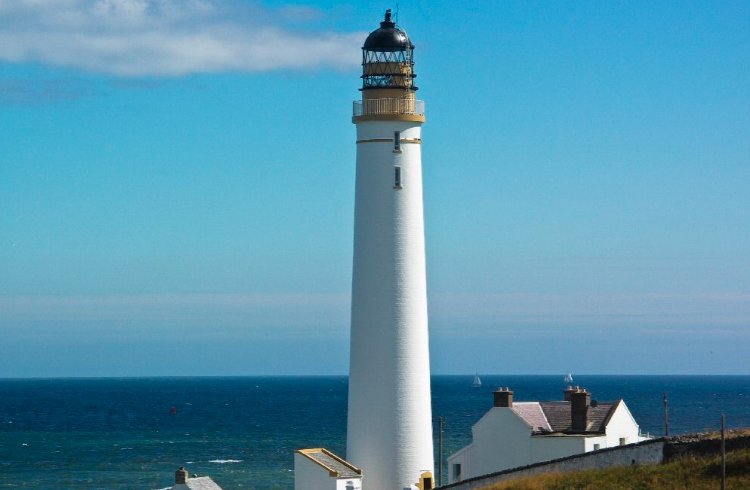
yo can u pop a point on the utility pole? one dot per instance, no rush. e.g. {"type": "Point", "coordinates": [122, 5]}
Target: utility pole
{"type": "Point", "coordinates": [723, 453]}
{"type": "Point", "coordinates": [441, 426]}
{"type": "Point", "coordinates": [666, 414]}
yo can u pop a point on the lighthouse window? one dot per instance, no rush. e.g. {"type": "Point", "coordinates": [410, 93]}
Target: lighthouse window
{"type": "Point", "coordinates": [397, 178]}
{"type": "Point", "coordinates": [397, 141]}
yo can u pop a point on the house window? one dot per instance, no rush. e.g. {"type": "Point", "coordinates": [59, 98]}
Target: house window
{"type": "Point", "coordinates": [397, 178]}
{"type": "Point", "coordinates": [397, 141]}
{"type": "Point", "coordinates": [456, 471]}
{"type": "Point", "coordinates": [623, 441]}
{"type": "Point", "coordinates": [597, 446]}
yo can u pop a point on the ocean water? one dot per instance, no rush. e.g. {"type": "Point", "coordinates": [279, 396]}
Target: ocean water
{"type": "Point", "coordinates": [133, 433]}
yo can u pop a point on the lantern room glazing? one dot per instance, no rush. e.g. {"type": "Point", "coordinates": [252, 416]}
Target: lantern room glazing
{"type": "Point", "coordinates": [388, 58]}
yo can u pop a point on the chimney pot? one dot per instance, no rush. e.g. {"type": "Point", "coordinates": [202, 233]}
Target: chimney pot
{"type": "Point", "coordinates": [503, 398]}
{"type": "Point", "coordinates": [181, 475]}
{"type": "Point", "coordinates": [567, 392]}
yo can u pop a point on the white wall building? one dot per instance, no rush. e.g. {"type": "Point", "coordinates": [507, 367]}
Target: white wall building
{"type": "Point", "coordinates": [320, 469]}
{"type": "Point", "coordinates": [514, 434]}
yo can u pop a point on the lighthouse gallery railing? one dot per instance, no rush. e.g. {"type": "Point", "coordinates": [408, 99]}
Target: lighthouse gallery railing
{"type": "Point", "coordinates": [388, 106]}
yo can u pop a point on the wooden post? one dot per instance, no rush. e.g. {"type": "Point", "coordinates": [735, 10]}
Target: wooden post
{"type": "Point", "coordinates": [666, 414]}
{"type": "Point", "coordinates": [723, 453]}
{"type": "Point", "coordinates": [440, 453]}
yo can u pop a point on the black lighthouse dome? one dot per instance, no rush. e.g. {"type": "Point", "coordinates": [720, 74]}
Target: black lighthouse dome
{"type": "Point", "coordinates": [388, 37]}
{"type": "Point", "coordinates": [388, 58]}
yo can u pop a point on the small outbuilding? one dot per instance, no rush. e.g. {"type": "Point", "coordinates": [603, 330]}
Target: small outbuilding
{"type": "Point", "coordinates": [320, 469]}
{"type": "Point", "coordinates": [182, 481]}
{"type": "Point", "coordinates": [514, 434]}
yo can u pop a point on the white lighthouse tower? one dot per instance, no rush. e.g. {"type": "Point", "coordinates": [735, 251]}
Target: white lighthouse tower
{"type": "Point", "coordinates": [389, 432]}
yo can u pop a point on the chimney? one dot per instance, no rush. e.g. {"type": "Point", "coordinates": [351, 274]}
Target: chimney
{"type": "Point", "coordinates": [181, 476]}
{"type": "Point", "coordinates": [567, 392]}
{"type": "Point", "coordinates": [580, 400]}
{"type": "Point", "coordinates": [503, 398]}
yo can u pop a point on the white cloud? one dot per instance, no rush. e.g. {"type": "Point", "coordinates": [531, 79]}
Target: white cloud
{"type": "Point", "coordinates": [674, 312]}
{"type": "Point", "coordinates": [214, 315]}
{"type": "Point", "coordinates": [169, 37]}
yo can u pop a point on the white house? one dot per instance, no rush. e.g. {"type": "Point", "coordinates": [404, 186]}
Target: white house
{"type": "Point", "coordinates": [320, 469]}
{"type": "Point", "coordinates": [184, 482]}
{"type": "Point", "coordinates": [514, 434]}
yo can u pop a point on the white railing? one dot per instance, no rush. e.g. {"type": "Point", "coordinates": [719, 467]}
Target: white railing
{"type": "Point", "coordinates": [399, 106]}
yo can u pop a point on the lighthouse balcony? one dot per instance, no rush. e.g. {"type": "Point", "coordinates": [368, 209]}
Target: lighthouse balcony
{"type": "Point", "coordinates": [389, 108]}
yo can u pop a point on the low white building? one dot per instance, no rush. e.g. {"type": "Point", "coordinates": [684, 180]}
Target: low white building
{"type": "Point", "coordinates": [182, 481]}
{"type": "Point", "coordinates": [320, 469]}
{"type": "Point", "coordinates": [514, 434]}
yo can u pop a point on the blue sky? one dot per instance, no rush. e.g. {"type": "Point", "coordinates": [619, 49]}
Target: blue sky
{"type": "Point", "coordinates": [177, 185]}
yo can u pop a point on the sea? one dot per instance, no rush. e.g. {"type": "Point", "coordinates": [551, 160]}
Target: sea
{"type": "Point", "coordinates": [133, 433]}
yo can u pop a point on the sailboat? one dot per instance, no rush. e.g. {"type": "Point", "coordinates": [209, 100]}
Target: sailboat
{"type": "Point", "coordinates": [568, 380]}
{"type": "Point", "coordinates": [477, 382]}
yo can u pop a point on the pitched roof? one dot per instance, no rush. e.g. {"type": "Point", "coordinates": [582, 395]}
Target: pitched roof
{"type": "Point", "coordinates": [552, 417]}
{"type": "Point", "coordinates": [532, 414]}
{"type": "Point", "coordinates": [199, 483]}
{"type": "Point", "coordinates": [337, 467]}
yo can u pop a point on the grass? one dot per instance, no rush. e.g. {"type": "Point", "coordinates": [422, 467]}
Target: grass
{"type": "Point", "coordinates": [687, 473]}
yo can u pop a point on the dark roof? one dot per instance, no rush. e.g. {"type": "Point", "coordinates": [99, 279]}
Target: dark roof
{"type": "Point", "coordinates": [558, 418]}
{"type": "Point", "coordinates": [388, 37]}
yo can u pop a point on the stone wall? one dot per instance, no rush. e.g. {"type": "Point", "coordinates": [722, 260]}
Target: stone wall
{"type": "Point", "coordinates": [696, 445]}
{"type": "Point", "coordinates": [646, 452]}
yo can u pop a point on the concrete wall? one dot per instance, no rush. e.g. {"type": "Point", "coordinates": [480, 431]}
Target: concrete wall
{"type": "Point", "coordinates": [647, 452]}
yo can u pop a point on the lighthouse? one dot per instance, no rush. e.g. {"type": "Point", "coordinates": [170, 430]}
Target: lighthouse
{"type": "Point", "coordinates": [389, 427]}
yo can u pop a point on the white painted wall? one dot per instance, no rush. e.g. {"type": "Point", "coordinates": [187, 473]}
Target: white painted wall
{"type": "Point", "coordinates": [591, 443]}
{"type": "Point", "coordinates": [311, 476]}
{"type": "Point", "coordinates": [389, 432]}
{"type": "Point", "coordinates": [545, 448]}
{"type": "Point", "coordinates": [501, 440]}
{"type": "Point", "coordinates": [463, 458]}
{"type": "Point", "coordinates": [623, 424]}
{"type": "Point", "coordinates": [349, 484]}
